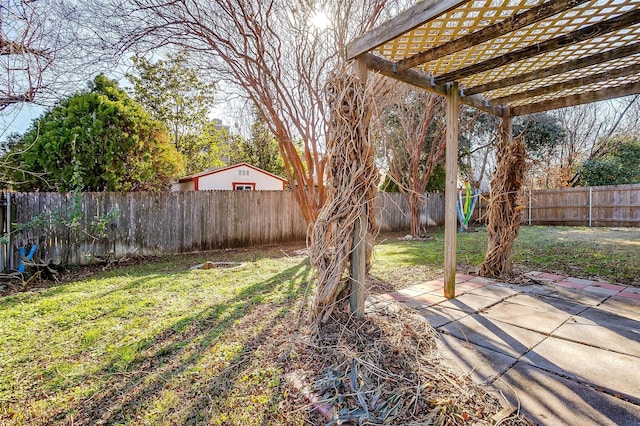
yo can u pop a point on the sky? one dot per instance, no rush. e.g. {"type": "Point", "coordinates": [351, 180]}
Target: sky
{"type": "Point", "coordinates": [17, 119]}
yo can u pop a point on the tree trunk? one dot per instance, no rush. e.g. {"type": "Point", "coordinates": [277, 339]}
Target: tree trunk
{"type": "Point", "coordinates": [504, 207]}
{"type": "Point", "coordinates": [415, 208]}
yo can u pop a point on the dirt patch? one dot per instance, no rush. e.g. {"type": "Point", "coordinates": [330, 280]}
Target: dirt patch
{"type": "Point", "coordinates": [218, 265]}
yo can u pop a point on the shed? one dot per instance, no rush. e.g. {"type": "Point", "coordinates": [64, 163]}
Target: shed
{"type": "Point", "coordinates": [242, 176]}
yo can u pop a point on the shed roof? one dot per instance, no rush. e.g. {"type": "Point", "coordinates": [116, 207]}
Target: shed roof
{"type": "Point", "coordinates": [520, 56]}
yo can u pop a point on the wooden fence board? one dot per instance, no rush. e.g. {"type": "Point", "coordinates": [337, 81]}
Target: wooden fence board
{"type": "Point", "coordinates": [178, 222]}
{"type": "Point", "coordinates": [617, 205]}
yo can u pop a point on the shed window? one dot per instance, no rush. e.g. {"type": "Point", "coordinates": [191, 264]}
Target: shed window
{"type": "Point", "coordinates": [243, 187]}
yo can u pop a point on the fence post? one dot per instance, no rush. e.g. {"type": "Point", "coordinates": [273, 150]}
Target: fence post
{"type": "Point", "coordinates": [2, 219]}
{"type": "Point", "coordinates": [8, 261]}
{"type": "Point", "coordinates": [529, 206]}
{"type": "Point", "coordinates": [590, 204]}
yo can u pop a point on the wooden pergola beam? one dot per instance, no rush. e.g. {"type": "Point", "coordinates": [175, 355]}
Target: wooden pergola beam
{"type": "Point", "coordinates": [425, 81]}
{"type": "Point", "coordinates": [570, 84]}
{"type": "Point", "coordinates": [598, 58]}
{"type": "Point", "coordinates": [580, 99]}
{"type": "Point", "coordinates": [510, 24]}
{"type": "Point", "coordinates": [582, 34]}
{"type": "Point", "coordinates": [417, 15]}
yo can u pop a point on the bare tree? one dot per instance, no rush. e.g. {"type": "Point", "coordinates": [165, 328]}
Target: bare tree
{"type": "Point", "coordinates": [45, 54]}
{"type": "Point", "coordinates": [588, 129]}
{"type": "Point", "coordinates": [44, 51]}
{"type": "Point", "coordinates": [478, 148]}
{"type": "Point", "coordinates": [412, 127]}
{"type": "Point", "coordinates": [24, 56]}
{"type": "Point", "coordinates": [272, 51]}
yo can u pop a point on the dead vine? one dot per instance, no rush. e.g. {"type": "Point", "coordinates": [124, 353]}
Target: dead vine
{"type": "Point", "coordinates": [350, 189]}
{"type": "Point", "coordinates": [504, 204]}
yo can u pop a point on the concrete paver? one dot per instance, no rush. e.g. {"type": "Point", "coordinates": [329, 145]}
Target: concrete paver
{"type": "Point", "coordinates": [609, 370]}
{"type": "Point", "coordinates": [548, 303]}
{"type": "Point", "coordinates": [579, 281]}
{"type": "Point", "coordinates": [566, 350]}
{"type": "Point", "coordinates": [430, 298]}
{"type": "Point", "coordinates": [467, 286]}
{"type": "Point", "coordinates": [548, 399]}
{"type": "Point", "coordinates": [535, 288]}
{"type": "Point", "coordinates": [541, 320]}
{"type": "Point", "coordinates": [470, 303]}
{"type": "Point", "coordinates": [495, 291]}
{"type": "Point", "coordinates": [495, 335]}
{"type": "Point", "coordinates": [603, 330]}
{"type": "Point", "coordinates": [435, 285]}
{"type": "Point", "coordinates": [578, 296]}
{"type": "Point", "coordinates": [438, 316]}
{"type": "Point", "coordinates": [629, 295]}
{"type": "Point", "coordinates": [622, 307]}
{"type": "Point", "coordinates": [601, 290]}
{"type": "Point", "coordinates": [484, 365]}
{"type": "Point", "coordinates": [411, 291]}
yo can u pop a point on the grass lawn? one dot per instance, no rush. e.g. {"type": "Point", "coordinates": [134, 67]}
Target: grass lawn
{"type": "Point", "coordinates": [152, 344]}
{"type": "Point", "coordinates": [609, 254]}
{"type": "Point", "coordinates": [160, 344]}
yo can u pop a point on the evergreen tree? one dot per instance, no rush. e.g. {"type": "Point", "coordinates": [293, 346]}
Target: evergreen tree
{"type": "Point", "coordinates": [621, 165]}
{"type": "Point", "coordinates": [96, 140]}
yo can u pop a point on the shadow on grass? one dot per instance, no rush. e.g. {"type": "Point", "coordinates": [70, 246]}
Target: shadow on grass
{"type": "Point", "coordinates": [130, 384]}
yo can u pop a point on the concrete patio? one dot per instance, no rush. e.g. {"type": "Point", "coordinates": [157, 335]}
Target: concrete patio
{"type": "Point", "coordinates": [564, 350]}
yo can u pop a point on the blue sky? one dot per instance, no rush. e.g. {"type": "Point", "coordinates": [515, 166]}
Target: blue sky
{"type": "Point", "coordinates": [17, 119]}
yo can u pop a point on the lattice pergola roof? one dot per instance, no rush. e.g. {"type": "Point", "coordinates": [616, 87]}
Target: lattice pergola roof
{"type": "Point", "coordinates": [521, 56]}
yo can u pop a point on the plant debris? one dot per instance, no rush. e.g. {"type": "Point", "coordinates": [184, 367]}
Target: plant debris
{"type": "Point", "coordinates": [386, 370]}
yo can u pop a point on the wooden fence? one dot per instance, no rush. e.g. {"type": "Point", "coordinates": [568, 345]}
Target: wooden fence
{"type": "Point", "coordinates": [617, 205]}
{"type": "Point", "coordinates": [158, 223]}
{"type": "Point", "coordinates": [392, 211]}
{"type": "Point", "coordinates": [591, 206]}
{"type": "Point", "coordinates": [179, 222]}
{"type": "Point", "coordinates": [169, 223]}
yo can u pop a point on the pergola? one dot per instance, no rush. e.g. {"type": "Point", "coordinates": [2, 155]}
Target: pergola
{"type": "Point", "coordinates": [507, 58]}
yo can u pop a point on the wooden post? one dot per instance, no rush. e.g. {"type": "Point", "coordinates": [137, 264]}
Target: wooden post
{"type": "Point", "coordinates": [590, 205]}
{"type": "Point", "coordinates": [358, 256]}
{"type": "Point", "coordinates": [451, 189]}
{"type": "Point", "coordinates": [529, 206]}
{"type": "Point", "coordinates": [358, 266]}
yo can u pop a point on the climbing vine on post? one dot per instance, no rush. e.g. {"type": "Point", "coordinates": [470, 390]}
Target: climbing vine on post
{"type": "Point", "coordinates": [351, 188]}
{"type": "Point", "coordinates": [504, 202]}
